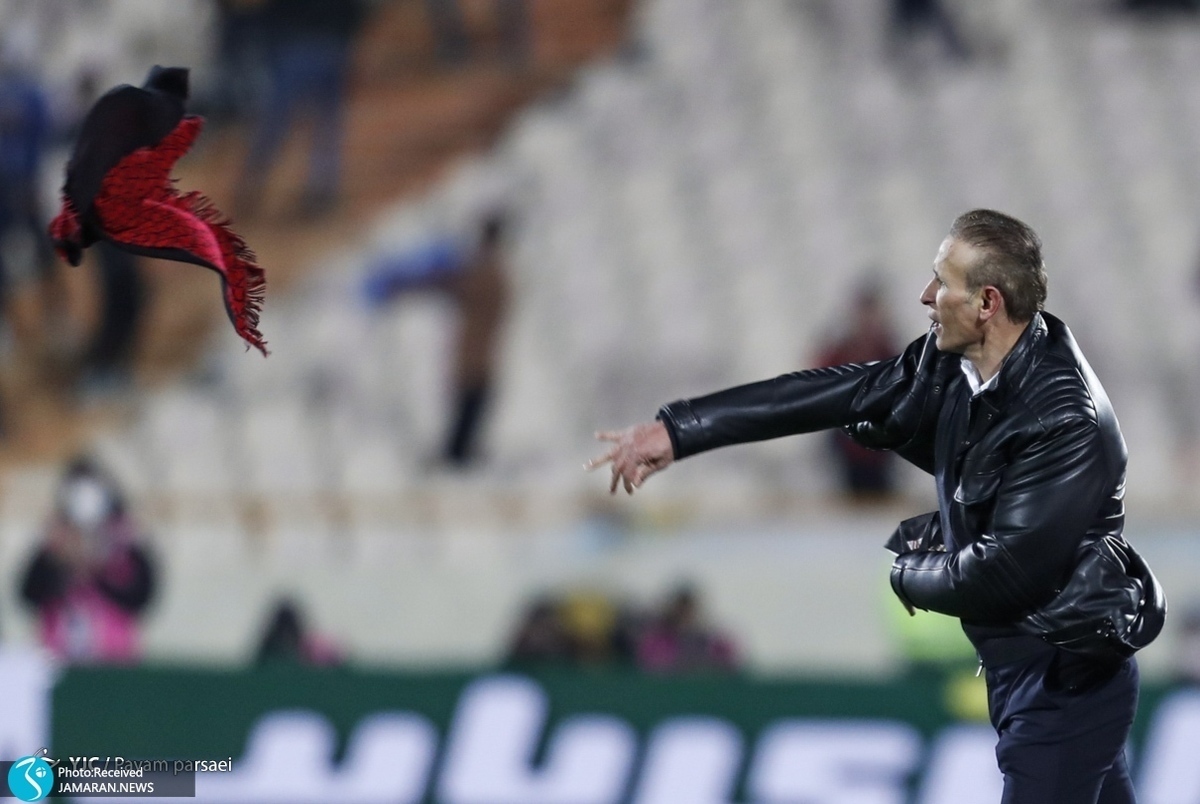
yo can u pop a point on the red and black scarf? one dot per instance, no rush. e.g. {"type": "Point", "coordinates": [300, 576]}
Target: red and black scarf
{"type": "Point", "coordinates": [119, 188]}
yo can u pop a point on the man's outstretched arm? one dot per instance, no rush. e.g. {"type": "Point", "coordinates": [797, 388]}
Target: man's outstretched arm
{"type": "Point", "coordinates": [889, 394]}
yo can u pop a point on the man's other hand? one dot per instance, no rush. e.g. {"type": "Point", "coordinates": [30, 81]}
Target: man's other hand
{"type": "Point", "coordinates": [638, 452]}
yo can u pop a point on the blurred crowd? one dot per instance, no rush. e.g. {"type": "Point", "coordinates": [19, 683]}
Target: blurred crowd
{"type": "Point", "coordinates": [93, 576]}
{"type": "Point", "coordinates": [271, 69]}
{"type": "Point", "coordinates": [589, 629]}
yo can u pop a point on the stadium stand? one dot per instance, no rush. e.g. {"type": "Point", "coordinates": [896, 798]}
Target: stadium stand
{"type": "Point", "coordinates": [690, 213]}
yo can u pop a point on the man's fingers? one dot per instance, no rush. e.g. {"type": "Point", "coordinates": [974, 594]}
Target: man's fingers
{"type": "Point", "coordinates": [624, 472]}
{"type": "Point", "coordinates": [623, 468]}
{"type": "Point", "coordinates": [608, 457]}
{"type": "Point", "coordinates": [600, 460]}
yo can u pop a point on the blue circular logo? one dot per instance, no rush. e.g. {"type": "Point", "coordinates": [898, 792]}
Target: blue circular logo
{"type": "Point", "coordinates": [31, 778]}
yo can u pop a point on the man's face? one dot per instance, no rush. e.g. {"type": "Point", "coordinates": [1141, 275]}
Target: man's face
{"type": "Point", "coordinates": [953, 309]}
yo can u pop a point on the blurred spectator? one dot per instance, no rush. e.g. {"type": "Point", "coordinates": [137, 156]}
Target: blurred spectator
{"type": "Point", "coordinates": [631, 623]}
{"type": "Point", "coordinates": [541, 637]}
{"type": "Point", "coordinates": [934, 650]}
{"type": "Point", "coordinates": [91, 579]}
{"type": "Point", "coordinates": [482, 294]}
{"type": "Point", "coordinates": [866, 474]}
{"type": "Point", "coordinates": [677, 641]}
{"type": "Point", "coordinates": [307, 45]}
{"type": "Point", "coordinates": [582, 628]}
{"type": "Point", "coordinates": [589, 620]}
{"type": "Point", "coordinates": [108, 360]}
{"type": "Point", "coordinates": [477, 282]}
{"type": "Point", "coordinates": [453, 42]}
{"type": "Point", "coordinates": [911, 18]}
{"type": "Point", "coordinates": [24, 130]}
{"type": "Point", "coordinates": [25, 255]}
{"type": "Point", "coordinates": [239, 65]}
{"type": "Point", "coordinates": [1187, 661]}
{"type": "Point", "coordinates": [1164, 6]}
{"type": "Point", "coordinates": [930, 645]}
{"type": "Point", "coordinates": [288, 639]}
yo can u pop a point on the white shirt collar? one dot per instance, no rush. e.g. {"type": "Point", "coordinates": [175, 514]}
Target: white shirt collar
{"type": "Point", "coordinates": [974, 380]}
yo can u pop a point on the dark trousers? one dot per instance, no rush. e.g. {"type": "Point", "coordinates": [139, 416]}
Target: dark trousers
{"type": "Point", "coordinates": [1063, 723]}
{"type": "Point", "coordinates": [122, 301]}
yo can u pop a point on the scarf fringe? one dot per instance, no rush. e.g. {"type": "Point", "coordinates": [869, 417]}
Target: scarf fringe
{"type": "Point", "coordinates": [241, 270]}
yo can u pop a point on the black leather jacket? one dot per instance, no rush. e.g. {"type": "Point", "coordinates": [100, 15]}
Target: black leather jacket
{"type": "Point", "coordinates": [1031, 479]}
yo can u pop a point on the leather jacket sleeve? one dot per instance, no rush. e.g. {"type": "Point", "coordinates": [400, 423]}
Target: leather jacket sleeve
{"type": "Point", "coordinates": [883, 404]}
{"type": "Point", "coordinates": [1047, 499]}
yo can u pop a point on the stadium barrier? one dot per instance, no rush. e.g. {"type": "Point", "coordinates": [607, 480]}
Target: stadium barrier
{"type": "Point", "coordinates": [568, 737]}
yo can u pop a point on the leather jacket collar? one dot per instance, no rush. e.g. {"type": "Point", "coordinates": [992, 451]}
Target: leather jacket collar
{"type": "Point", "coordinates": [1025, 355]}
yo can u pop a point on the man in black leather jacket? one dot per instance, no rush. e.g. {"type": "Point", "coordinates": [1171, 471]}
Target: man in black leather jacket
{"type": "Point", "coordinates": [997, 403]}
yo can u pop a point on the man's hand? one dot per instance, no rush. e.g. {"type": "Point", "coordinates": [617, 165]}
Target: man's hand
{"type": "Point", "coordinates": [639, 452]}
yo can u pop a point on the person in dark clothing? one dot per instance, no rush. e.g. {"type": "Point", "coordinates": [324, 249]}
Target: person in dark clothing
{"type": "Point", "coordinates": [1161, 6]}
{"type": "Point", "coordinates": [909, 17]}
{"type": "Point", "coordinates": [678, 641]}
{"type": "Point", "coordinates": [24, 130]}
{"type": "Point", "coordinates": [238, 62]}
{"type": "Point", "coordinates": [25, 255]}
{"type": "Point", "coordinates": [109, 357]}
{"type": "Point", "coordinates": [482, 292]}
{"type": "Point", "coordinates": [476, 280]}
{"type": "Point", "coordinates": [541, 637]}
{"type": "Point", "coordinates": [867, 474]}
{"type": "Point", "coordinates": [288, 639]}
{"type": "Point", "coordinates": [998, 403]}
{"type": "Point", "coordinates": [307, 46]}
{"type": "Point", "coordinates": [92, 579]}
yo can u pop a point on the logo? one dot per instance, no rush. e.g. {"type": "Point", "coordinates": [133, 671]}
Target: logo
{"type": "Point", "coordinates": [31, 778]}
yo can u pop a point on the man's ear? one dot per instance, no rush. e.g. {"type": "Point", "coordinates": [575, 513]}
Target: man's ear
{"type": "Point", "coordinates": [991, 302]}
